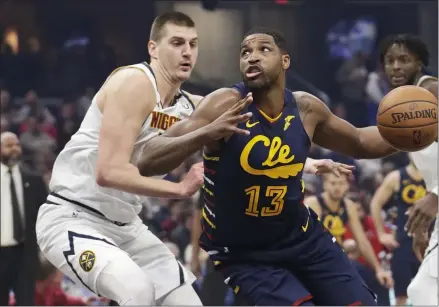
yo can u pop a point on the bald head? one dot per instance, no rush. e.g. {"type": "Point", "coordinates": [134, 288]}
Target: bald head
{"type": "Point", "coordinates": [10, 148]}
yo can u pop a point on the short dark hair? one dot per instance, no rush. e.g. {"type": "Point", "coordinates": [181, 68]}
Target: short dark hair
{"type": "Point", "coordinates": [413, 43]}
{"type": "Point", "coordinates": [278, 37]}
{"type": "Point", "coordinates": [175, 18]}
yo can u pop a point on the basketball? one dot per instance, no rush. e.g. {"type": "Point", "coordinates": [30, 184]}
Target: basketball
{"type": "Point", "coordinates": [407, 118]}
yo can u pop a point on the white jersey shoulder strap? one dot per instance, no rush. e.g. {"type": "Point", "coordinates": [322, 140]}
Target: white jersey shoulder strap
{"type": "Point", "coordinates": [425, 78]}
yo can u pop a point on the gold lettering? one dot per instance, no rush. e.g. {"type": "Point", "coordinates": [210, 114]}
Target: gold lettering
{"type": "Point", "coordinates": [335, 226]}
{"type": "Point", "coordinates": [276, 147]}
{"type": "Point", "coordinates": [412, 193]}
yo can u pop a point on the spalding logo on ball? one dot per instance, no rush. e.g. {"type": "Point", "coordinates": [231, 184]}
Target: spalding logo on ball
{"type": "Point", "coordinates": [407, 118]}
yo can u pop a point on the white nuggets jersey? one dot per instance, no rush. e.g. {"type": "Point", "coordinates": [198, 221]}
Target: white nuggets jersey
{"type": "Point", "coordinates": [73, 176]}
{"type": "Point", "coordinates": [426, 162]}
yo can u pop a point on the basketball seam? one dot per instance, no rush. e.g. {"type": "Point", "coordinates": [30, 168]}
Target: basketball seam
{"type": "Point", "coordinates": [408, 101]}
{"type": "Point", "coordinates": [418, 126]}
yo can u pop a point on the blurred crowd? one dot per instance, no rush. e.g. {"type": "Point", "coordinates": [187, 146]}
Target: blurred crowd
{"type": "Point", "coordinates": [73, 73]}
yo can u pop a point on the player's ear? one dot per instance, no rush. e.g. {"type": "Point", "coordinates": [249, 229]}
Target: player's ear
{"type": "Point", "coordinates": [285, 61]}
{"type": "Point", "coordinates": [152, 49]}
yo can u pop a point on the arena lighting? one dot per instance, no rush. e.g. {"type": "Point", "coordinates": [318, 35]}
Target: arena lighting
{"type": "Point", "coordinates": [210, 5]}
{"type": "Point", "coordinates": [281, 1]}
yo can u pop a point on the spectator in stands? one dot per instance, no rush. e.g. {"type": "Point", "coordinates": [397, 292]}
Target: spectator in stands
{"type": "Point", "coordinates": [33, 108]}
{"type": "Point", "coordinates": [22, 194]}
{"type": "Point", "coordinates": [35, 141]}
{"type": "Point", "coordinates": [68, 123]}
{"type": "Point", "coordinates": [352, 78]}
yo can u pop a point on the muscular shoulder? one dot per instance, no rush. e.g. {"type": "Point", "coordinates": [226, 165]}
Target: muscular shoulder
{"type": "Point", "coordinates": [431, 85]}
{"type": "Point", "coordinates": [129, 83]}
{"type": "Point", "coordinates": [219, 101]}
{"type": "Point", "coordinates": [308, 104]}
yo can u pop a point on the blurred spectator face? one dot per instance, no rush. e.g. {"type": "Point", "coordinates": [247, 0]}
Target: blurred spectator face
{"type": "Point", "coordinates": [400, 65]}
{"type": "Point", "coordinates": [335, 187]}
{"type": "Point", "coordinates": [31, 97]}
{"type": "Point", "coordinates": [4, 99]}
{"type": "Point", "coordinates": [10, 148]}
{"type": "Point", "coordinates": [68, 110]}
{"type": "Point", "coordinates": [176, 51]}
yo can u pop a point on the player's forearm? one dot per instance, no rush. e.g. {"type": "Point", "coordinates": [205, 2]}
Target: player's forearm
{"type": "Point", "coordinates": [163, 154]}
{"type": "Point", "coordinates": [128, 179]}
{"type": "Point", "coordinates": [371, 144]}
{"type": "Point", "coordinates": [368, 253]}
{"type": "Point", "coordinates": [375, 210]}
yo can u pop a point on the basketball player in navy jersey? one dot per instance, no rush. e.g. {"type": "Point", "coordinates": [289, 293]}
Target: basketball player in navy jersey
{"type": "Point", "coordinates": [337, 212]}
{"type": "Point", "coordinates": [270, 247]}
{"type": "Point", "coordinates": [402, 187]}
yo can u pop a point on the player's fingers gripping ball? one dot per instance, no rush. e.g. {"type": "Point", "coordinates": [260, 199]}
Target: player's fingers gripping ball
{"type": "Point", "coordinates": [407, 118]}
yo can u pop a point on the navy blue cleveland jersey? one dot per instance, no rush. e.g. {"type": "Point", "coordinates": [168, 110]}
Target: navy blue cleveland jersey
{"type": "Point", "coordinates": [253, 189]}
{"type": "Point", "coordinates": [334, 221]}
{"type": "Point", "coordinates": [410, 190]}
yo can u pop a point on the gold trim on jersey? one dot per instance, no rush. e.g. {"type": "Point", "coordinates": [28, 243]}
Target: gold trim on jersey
{"type": "Point", "coordinates": [270, 119]}
{"type": "Point", "coordinates": [210, 158]}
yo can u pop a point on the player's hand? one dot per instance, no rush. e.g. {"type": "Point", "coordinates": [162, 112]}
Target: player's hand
{"type": "Point", "coordinates": [421, 214]}
{"type": "Point", "coordinates": [193, 180]}
{"type": "Point", "coordinates": [388, 240]}
{"type": "Point", "coordinates": [226, 124]}
{"type": "Point", "coordinates": [385, 278]}
{"type": "Point", "coordinates": [196, 266]}
{"type": "Point", "coordinates": [320, 167]}
{"type": "Point", "coordinates": [420, 244]}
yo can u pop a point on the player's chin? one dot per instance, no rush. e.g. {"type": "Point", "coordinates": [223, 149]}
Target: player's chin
{"type": "Point", "coordinates": [183, 75]}
{"type": "Point", "coordinates": [255, 83]}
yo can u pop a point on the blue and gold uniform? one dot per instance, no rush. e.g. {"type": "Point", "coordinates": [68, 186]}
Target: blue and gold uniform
{"type": "Point", "coordinates": [334, 221]}
{"type": "Point", "coordinates": [257, 230]}
{"type": "Point", "coordinates": [404, 263]}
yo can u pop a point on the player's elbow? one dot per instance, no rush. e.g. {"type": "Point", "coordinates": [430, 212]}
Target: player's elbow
{"type": "Point", "coordinates": [145, 165]}
{"type": "Point", "coordinates": [104, 176]}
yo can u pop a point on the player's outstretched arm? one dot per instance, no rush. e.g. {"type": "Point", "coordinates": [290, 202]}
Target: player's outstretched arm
{"type": "Point", "coordinates": [338, 135]}
{"type": "Point", "coordinates": [215, 118]}
{"type": "Point", "coordinates": [126, 100]}
{"type": "Point", "coordinates": [324, 166]}
{"type": "Point", "coordinates": [382, 195]}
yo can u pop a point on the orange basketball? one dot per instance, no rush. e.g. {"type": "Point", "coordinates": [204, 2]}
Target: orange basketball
{"type": "Point", "coordinates": [407, 118]}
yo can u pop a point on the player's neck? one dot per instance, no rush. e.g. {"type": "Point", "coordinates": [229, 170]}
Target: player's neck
{"type": "Point", "coordinates": [333, 204]}
{"type": "Point", "coordinates": [166, 87]}
{"type": "Point", "coordinates": [413, 172]}
{"type": "Point", "coordinates": [270, 101]}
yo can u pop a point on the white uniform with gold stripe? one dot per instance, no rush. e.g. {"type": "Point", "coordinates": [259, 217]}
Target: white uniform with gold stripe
{"type": "Point", "coordinates": [423, 290]}
{"type": "Point", "coordinates": [84, 227]}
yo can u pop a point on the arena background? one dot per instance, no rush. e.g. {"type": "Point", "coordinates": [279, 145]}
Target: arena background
{"type": "Point", "coordinates": [55, 55]}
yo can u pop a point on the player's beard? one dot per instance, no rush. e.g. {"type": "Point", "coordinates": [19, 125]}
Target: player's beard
{"type": "Point", "coordinates": [260, 83]}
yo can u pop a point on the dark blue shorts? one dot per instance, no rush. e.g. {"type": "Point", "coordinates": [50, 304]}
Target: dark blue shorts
{"type": "Point", "coordinates": [321, 274]}
{"type": "Point", "coordinates": [404, 265]}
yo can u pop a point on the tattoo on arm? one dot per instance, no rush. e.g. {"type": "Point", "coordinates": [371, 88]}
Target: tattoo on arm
{"type": "Point", "coordinates": [304, 106]}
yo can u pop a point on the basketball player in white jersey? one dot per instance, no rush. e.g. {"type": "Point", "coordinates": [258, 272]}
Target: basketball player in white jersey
{"type": "Point", "coordinates": [404, 58]}
{"type": "Point", "coordinates": [89, 227]}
